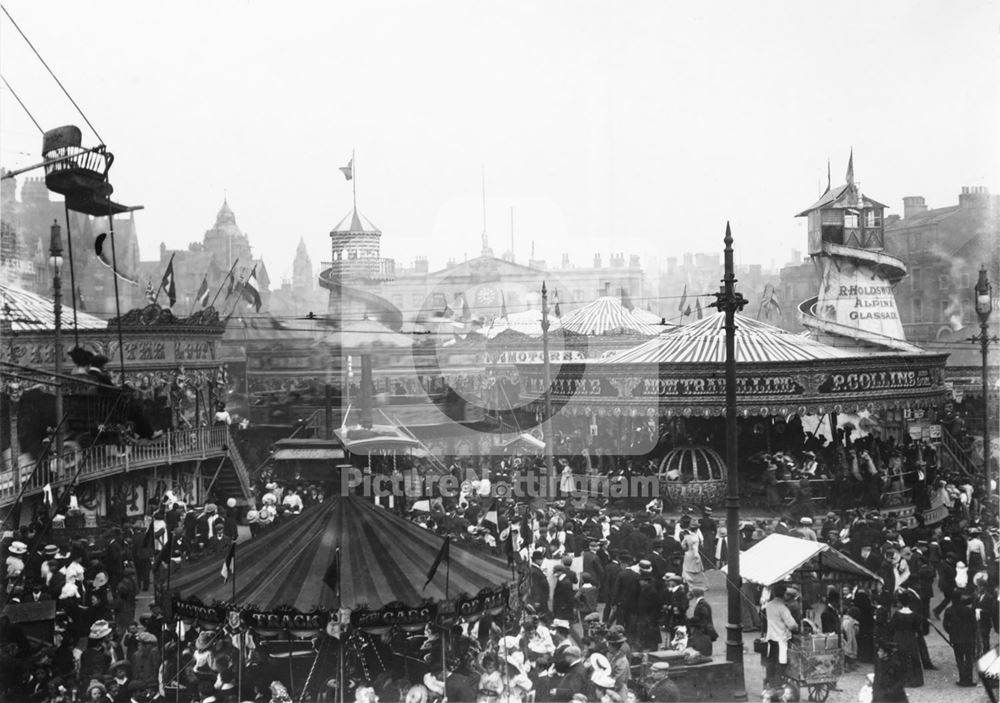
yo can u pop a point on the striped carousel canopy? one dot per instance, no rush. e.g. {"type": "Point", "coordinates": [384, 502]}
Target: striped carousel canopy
{"type": "Point", "coordinates": [704, 341]}
{"type": "Point", "coordinates": [607, 315]}
{"type": "Point", "coordinates": [29, 312]}
{"type": "Point", "coordinates": [384, 559]}
{"type": "Point", "coordinates": [527, 322]}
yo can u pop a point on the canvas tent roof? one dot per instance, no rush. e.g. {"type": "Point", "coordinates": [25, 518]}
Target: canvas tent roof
{"type": "Point", "coordinates": [777, 557]}
{"type": "Point", "coordinates": [384, 559]}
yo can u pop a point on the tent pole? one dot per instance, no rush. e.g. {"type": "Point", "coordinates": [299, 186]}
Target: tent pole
{"type": "Point", "coordinates": [291, 675]}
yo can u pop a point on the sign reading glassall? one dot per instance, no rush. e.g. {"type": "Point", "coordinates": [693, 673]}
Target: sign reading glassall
{"type": "Point", "coordinates": [856, 295]}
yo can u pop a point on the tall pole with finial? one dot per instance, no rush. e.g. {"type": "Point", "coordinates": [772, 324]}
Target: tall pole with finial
{"type": "Point", "coordinates": [730, 302]}
{"type": "Point", "coordinates": [547, 422]}
{"type": "Point", "coordinates": [354, 180]}
{"type": "Point", "coordinates": [56, 260]}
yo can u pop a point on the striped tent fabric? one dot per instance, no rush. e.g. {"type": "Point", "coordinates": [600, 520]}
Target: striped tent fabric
{"type": "Point", "coordinates": [704, 342]}
{"type": "Point", "coordinates": [527, 322]}
{"type": "Point", "coordinates": [384, 559]}
{"type": "Point", "coordinates": [606, 315]}
{"type": "Point", "coordinates": [29, 312]}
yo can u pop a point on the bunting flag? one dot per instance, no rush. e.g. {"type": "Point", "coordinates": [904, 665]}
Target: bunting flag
{"type": "Point", "coordinates": [168, 285]}
{"type": "Point", "coordinates": [503, 306]}
{"type": "Point", "coordinates": [229, 565]}
{"type": "Point", "coordinates": [697, 308]}
{"type": "Point", "coordinates": [348, 170]}
{"type": "Point", "coordinates": [202, 297]}
{"type": "Point", "coordinates": [555, 298]}
{"type": "Point", "coordinates": [828, 182]}
{"type": "Point", "coordinates": [251, 290]}
{"type": "Point", "coordinates": [332, 576]}
{"type": "Point", "coordinates": [685, 306]}
{"type": "Point", "coordinates": [150, 293]}
{"type": "Point", "coordinates": [443, 555]}
{"type": "Point", "coordinates": [626, 301]}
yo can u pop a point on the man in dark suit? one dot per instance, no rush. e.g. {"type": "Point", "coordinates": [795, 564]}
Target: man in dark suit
{"type": "Point", "coordinates": [675, 602]}
{"type": "Point", "coordinates": [701, 621]}
{"type": "Point", "coordinates": [575, 679]}
{"type": "Point", "coordinates": [563, 596]}
{"type": "Point", "coordinates": [592, 563]}
{"type": "Point", "coordinates": [539, 594]}
{"type": "Point", "coordinates": [960, 624]}
{"type": "Point", "coordinates": [709, 532]}
{"type": "Point", "coordinates": [609, 584]}
{"type": "Point", "coordinates": [626, 598]}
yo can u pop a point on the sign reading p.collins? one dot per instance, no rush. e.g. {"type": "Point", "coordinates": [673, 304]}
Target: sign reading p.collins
{"type": "Point", "coordinates": [877, 381]}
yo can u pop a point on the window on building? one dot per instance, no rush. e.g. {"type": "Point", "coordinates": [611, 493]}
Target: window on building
{"type": "Point", "coordinates": [918, 310]}
{"type": "Point", "coordinates": [966, 281]}
{"type": "Point", "coordinates": [915, 278]}
{"type": "Point", "coordinates": [947, 309]}
{"type": "Point", "coordinates": [944, 282]}
{"type": "Point", "coordinates": [873, 218]}
{"type": "Point", "coordinates": [850, 220]}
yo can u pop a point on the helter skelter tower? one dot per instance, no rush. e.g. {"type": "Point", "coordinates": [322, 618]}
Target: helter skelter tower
{"type": "Point", "coordinates": [847, 244]}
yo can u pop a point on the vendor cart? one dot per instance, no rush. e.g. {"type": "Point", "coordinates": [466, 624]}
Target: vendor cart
{"type": "Point", "coordinates": [815, 661]}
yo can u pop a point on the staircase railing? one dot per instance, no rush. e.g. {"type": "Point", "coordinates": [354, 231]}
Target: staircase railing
{"type": "Point", "coordinates": [107, 459]}
{"type": "Point", "coordinates": [958, 456]}
{"type": "Point", "coordinates": [240, 467]}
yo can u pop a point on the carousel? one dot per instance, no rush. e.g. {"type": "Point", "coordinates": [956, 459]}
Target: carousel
{"type": "Point", "coordinates": [339, 592]}
{"type": "Point", "coordinates": [663, 401]}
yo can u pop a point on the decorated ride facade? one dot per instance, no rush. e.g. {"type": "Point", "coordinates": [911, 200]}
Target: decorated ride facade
{"type": "Point", "coordinates": [663, 402]}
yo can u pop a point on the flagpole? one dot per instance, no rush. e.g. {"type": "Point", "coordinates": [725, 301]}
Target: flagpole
{"type": "Point", "coordinates": [169, 264]}
{"type": "Point", "coordinates": [354, 180]}
{"type": "Point", "coordinates": [224, 281]}
{"type": "Point", "coordinates": [342, 641]}
{"type": "Point", "coordinates": [118, 309]}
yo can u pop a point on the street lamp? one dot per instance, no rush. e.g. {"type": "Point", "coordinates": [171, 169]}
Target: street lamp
{"type": "Point", "coordinates": [984, 306]}
{"type": "Point", "coordinates": [56, 262]}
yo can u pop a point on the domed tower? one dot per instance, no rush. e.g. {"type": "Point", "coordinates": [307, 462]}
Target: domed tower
{"type": "Point", "coordinates": [226, 240]}
{"type": "Point", "coordinates": [847, 245]}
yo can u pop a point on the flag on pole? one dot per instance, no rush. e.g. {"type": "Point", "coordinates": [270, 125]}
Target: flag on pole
{"type": "Point", "coordinates": [685, 306]}
{"type": "Point", "coordinates": [332, 576]}
{"type": "Point", "coordinates": [150, 293]}
{"type": "Point", "coordinates": [168, 285]}
{"type": "Point", "coordinates": [503, 306]}
{"type": "Point", "coordinates": [251, 290]}
{"type": "Point", "coordinates": [828, 183]}
{"type": "Point", "coordinates": [443, 555]}
{"type": "Point", "coordinates": [555, 298]}
{"type": "Point", "coordinates": [850, 168]}
{"type": "Point", "coordinates": [466, 313]}
{"type": "Point", "coordinates": [229, 565]}
{"type": "Point", "coordinates": [697, 308]}
{"type": "Point", "coordinates": [202, 297]}
{"type": "Point", "coordinates": [348, 170]}
{"type": "Point", "coordinates": [230, 284]}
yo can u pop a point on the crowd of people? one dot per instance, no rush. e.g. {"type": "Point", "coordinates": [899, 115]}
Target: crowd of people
{"type": "Point", "coordinates": [609, 597]}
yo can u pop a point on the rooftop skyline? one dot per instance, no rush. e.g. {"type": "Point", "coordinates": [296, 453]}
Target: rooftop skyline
{"type": "Point", "coordinates": [637, 130]}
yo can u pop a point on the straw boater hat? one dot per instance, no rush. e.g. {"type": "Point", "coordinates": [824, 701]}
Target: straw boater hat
{"type": "Point", "coordinates": [17, 548]}
{"type": "Point", "coordinates": [204, 640]}
{"type": "Point", "coordinates": [645, 567]}
{"type": "Point", "coordinates": [806, 521]}
{"type": "Point", "coordinates": [99, 630]}
{"type": "Point", "coordinates": [50, 550]}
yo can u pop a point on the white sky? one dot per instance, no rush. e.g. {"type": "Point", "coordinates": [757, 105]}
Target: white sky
{"type": "Point", "coordinates": [608, 126]}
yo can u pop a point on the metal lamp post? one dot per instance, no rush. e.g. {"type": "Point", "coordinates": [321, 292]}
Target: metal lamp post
{"type": "Point", "coordinates": [56, 261]}
{"type": "Point", "coordinates": [730, 302]}
{"type": "Point", "coordinates": [984, 306]}
{"type": "Point", "coordinates": [547, 423]}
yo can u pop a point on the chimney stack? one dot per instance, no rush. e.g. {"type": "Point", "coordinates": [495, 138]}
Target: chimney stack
{"type": "Point", "coordinates": [597, 261]}
{"type": "Point", "coordinates": [913, 205]}
{"type": "Point", "coordinates": [973, 196]}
